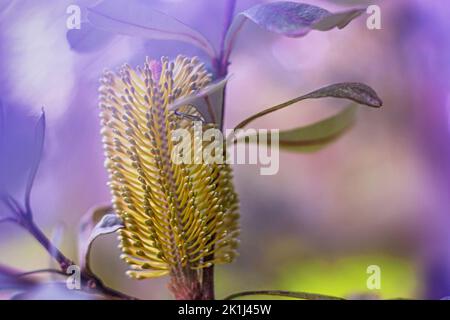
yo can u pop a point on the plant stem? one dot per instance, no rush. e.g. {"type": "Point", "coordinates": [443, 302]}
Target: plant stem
{"type": "Point", "coordinates": [62, 260]}
{"type": "Point", "coordinates": [185, 284]}
{"type": "Point", "coordinates": [40, 271]}
{"type": "Point", "coordinates": [222, 70]}
{"type": "Point", "coordinates": [208, 283]}
{"type": "Point", "coordinates": [222, 60]}
{"type": "Point", "coordinates": [281, 293]}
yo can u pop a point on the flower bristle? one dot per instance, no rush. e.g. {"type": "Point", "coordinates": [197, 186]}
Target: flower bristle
{"type": "Point", "coordinates": [176, 216]}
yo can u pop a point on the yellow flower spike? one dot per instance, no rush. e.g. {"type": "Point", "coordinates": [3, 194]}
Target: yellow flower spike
{"type": "Point", "coordinates": [178, 219]}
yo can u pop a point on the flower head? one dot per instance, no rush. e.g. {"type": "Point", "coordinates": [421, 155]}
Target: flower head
{"type": "Point", "coordinates": [179, 218]}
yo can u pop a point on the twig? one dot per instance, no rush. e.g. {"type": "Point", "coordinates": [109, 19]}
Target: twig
{"type": "Point", "coordinates": [89, 281]}
{"type": "Point", "coordinates": [8, 219]}
{"type": "Point", "coordinates": [11, 203]}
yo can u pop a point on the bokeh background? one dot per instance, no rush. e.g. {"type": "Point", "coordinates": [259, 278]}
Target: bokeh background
{"type": "Point", "coordinates": [378, 196]}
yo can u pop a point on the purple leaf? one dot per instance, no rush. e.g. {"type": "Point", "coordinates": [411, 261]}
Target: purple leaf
{"type": "Point", "coordinates": [134, 18]}
{"type": "Point", "coordinates": [337, 20]}
{"type": "Point", "coordinates": [88, 38]}
{"type": "Point", "coordinates": [7, 203]}
{"type": "Point", "coordinates": [37, 154]}
{"type": "Point", "coordinates": [2, 146]}
{"type": "Point", "coordinates": [208, 102]}
{"type": "Point", "coordinates": [290, 19]}
{"type": "Point", "coordinates": [96, 222]}
{"type": "Point", "coordinates": [10, 281]}
{"type": "Point", "coordinates": [55, 291]}
{"type": "Point", "coordinates": [356, 92]}
{"type": "Point", "coordinates": [5, 5]}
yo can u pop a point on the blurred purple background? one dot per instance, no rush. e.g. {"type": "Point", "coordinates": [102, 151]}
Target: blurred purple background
{"type": "Point", "coordinates": [382, 190]}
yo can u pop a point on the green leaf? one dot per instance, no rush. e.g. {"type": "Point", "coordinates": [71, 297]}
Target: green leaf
{"type": "Point", "coordinates": [356, 92]}
{"type": "Point", "coordinates": [316, 136]}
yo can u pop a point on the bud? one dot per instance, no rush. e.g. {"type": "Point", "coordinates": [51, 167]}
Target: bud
{"type": "Point", "coordinates": [179, 218]}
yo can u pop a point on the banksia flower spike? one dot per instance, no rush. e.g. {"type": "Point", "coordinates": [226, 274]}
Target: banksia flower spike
{"type": "Point", "coordinates": [178, 218]}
